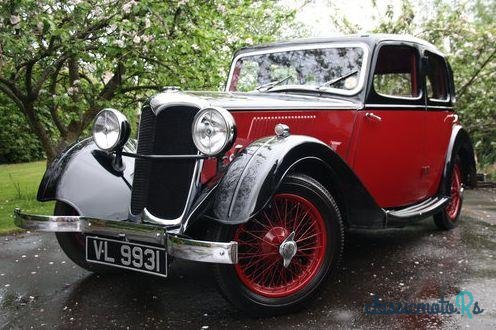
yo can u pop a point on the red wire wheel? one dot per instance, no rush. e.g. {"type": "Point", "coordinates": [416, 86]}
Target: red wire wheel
{"type": "Point", "coordinates": [453, 207]}
{"type": "Point", "coordinates": [260, 267]}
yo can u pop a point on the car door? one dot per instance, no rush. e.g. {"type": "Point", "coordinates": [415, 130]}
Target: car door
{"type": "Point", "coordinates": [440, 117]}
{"type": "Point", "coordinates": [389, 145]}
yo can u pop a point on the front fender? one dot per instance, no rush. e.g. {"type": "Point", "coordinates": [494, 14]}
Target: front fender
{"type": "Point", "coordinates": [256, 173]}
{"type": "Point", "coordinates": [82, 176]}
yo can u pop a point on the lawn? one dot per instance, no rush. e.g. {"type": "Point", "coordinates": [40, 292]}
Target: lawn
{"type": "Point", "coordinates": [18, 188]}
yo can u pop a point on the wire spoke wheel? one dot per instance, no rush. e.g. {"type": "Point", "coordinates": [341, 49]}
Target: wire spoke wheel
{"type": "Point", "coordinates": [290, 222]}
{"type": "Point", "coordinates": [448, 218]}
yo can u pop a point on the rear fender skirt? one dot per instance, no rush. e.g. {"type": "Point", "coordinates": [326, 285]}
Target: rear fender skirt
{"type": "Point", "coordinates": [257, 171]}
{"type": "Point", "coordinates": [460, 144]}
{"type": "Point", "coordinates": [83, 177]}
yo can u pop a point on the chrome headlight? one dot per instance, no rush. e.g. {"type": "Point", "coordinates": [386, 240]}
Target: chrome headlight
{"type": "Point", "coordinates": [214, 131]}
{"type": "Point", "coordinates": [110, 130]}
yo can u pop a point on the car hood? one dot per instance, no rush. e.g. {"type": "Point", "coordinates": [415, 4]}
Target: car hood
{"type": "Point", "coordinates": [269, 101]}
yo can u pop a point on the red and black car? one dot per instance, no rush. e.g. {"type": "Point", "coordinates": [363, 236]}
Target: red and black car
{"type": "Point", "coordinates": [311, 138]}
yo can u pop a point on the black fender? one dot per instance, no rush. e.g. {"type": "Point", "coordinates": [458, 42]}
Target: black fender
{"type": "Point", "coordinates": [460, 144]}
{"type": "Point", "coordinates": [257, 171]}
{"type": "Point", "coordinates": [83, 177]}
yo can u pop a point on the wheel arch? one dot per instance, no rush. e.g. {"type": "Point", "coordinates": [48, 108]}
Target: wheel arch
{"type": "Point", "coordinates": [319, 170]}
{"type": "Point", "coordinates": [460, 145]}
{"type": "Point", "coordinates": [256, 173]}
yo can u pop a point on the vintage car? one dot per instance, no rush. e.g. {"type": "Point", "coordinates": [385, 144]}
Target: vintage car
{"type": "Point", "coordinates": [310, 138]}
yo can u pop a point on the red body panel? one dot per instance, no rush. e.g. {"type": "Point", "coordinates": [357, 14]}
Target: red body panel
{"type": "Point", "coordinates": [399, 159]}
{"type": "Point", "coordinates": [334, 127]}
{"type": "Point", "coordinates": [389, 156]}
{"type": "Point", "coordinates": [439, 125]}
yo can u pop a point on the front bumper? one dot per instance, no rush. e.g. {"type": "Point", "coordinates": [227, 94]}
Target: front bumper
{"type": "Point", "coordinates": [179, 247]}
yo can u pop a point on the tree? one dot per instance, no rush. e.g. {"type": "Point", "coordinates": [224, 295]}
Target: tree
{"type": "Point", "coordinates": [63, 61]}
{"type": "Point", "coordinates": [466, 32]}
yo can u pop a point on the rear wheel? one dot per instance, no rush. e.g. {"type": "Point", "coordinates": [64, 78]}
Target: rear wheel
{"type": "Point", "coordinates": [73, 244]}
{"type": "Point", "coordinates": [285, 252]}
{"type": "Point", "coordinates": [449, 216]}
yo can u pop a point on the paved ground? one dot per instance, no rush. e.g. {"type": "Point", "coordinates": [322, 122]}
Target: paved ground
{"type": "Point", "coordinates": [40, 287]}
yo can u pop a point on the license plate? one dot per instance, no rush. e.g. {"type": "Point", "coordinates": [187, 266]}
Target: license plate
{"type": "Point", "coordinates": [137, 257]}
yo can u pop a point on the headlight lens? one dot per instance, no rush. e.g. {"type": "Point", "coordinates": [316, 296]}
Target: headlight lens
{"type": "Point", "coordinates": [213, 130]}
{"type": "Point", "coordinates": [110, 130]}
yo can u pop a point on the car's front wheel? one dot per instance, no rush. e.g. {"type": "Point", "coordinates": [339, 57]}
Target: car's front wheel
{"type": "Point", "coordinates": [285, 252]}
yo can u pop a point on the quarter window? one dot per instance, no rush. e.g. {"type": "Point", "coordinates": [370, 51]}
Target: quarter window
{"type": "Point", "coordinates": [396, 72]}
{"type": "Point", "coordinates": [437, 78]}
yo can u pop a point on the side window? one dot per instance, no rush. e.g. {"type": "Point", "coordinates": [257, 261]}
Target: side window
{"type": "Point", "coordinates": [396, 72]}
{"type": "Point", "coordinates": [436, 78]}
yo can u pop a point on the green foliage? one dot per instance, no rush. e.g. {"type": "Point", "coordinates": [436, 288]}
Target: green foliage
{"type": "Point", "coordinates": [17, 143]}
{"type": "Point", "coordinates": [63, 61]}
{"type": "Point", "coordinates": [466, 32]}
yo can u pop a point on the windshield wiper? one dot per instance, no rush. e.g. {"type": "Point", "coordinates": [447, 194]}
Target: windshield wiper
{"type": "Point", "coordinates": [336, 80]}
{"type": "Point", "coordinates": [272, 84]}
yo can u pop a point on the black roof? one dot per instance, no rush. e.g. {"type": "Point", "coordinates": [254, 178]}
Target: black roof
{"type": "Point", "coordinates": [370, 39]}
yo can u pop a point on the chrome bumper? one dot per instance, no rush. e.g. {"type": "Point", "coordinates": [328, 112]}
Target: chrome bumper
{"type": "Point", "coordinates": [189, 249]}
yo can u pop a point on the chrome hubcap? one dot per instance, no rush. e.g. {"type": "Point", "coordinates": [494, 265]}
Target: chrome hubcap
{"type": "Point", "coordinates": [288, 249]}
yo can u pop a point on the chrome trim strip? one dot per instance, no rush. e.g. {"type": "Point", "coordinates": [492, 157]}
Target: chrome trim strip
{"type": "Point", "coordinates": [361, 45]}
{"type": "Point", "coordinates": [169, 99]}
{"type": "Point", "coordinates": [406, 98]}
{"type": "Point", "coordinates": [193, 189]}
{"type": "Point", "coordinates": [195, 250]}
{"type": "Point", "coordinates": [409, 106]}
{"type": "Point", "coordinates": [162, 157]}
{"type": "Point", "coordinates": [302, 107]}
{"type": "Point", "coordinates": [440, 107]}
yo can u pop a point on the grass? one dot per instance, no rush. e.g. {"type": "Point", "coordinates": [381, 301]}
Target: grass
{"type": "Point", "coordinates": [18, 188]}
{"type": "Point", "coordinates": [490, 171]}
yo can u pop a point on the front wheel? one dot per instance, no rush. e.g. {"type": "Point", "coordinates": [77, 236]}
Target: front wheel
{"type": "Point", "coordinates": [73, 244]}
{"type": "Point", "coordinates": [285, 252]}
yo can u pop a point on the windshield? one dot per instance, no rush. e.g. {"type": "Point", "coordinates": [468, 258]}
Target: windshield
{"type": "Point", "coordinates": [336, 69]}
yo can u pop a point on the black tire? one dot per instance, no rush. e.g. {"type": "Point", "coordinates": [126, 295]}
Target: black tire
{"type": "Point", "coordinates": [449, 217]}
{"type": "Point", "coordinates": [73, 244]}
{"type": "Point", "coordinates": [245, 298]}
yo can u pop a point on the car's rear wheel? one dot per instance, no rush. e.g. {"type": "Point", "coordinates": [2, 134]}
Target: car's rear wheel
{"type": "Point", "coordinates": [285, 252]}
{"type": "Point", "coordinates": [73, 244]}
{"type": "Point", "coordinates": [448, 218]}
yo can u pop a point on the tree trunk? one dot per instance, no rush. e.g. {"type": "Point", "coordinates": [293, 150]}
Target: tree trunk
{"type": "Point", "coordinates": [40, 132]}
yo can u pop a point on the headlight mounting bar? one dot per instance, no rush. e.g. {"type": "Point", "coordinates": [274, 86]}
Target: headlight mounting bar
{"type": "Point", "coordinates": [164, 157]}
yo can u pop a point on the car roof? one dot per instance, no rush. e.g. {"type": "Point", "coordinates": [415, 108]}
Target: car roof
{"type": "Point", "coordinates": [370, 39]}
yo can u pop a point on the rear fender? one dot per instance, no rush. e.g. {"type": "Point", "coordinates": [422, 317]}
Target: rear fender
{"type": "Point", "coordinates": [460, 145]}
{"type": "Point", "coordinates": [83, 177]}
{"type": "Point", "coordinates": [257, 172]}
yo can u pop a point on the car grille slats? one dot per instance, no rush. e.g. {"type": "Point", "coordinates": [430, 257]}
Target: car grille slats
{"type": "Point", "coordinates": [163, 186]}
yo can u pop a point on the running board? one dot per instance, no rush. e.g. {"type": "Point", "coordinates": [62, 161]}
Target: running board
{"type": "Point", "coordinates": [401, 217]}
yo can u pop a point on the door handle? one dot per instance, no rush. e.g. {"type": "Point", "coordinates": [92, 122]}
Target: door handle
{"type": "Point", "coordinates": [372, 116]}
{"type": "Point", "coordinates": [454, 116]}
